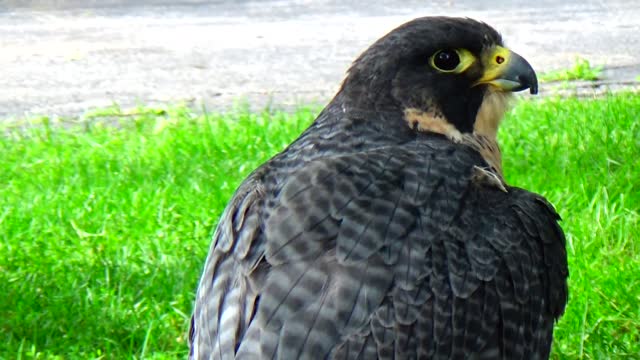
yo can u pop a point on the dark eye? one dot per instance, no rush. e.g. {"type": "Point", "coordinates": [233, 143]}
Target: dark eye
{"type": "Point", "coordinates": [446, 60]}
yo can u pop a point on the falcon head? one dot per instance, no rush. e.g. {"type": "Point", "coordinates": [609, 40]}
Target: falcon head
{"type": "Point", "coordinates": [446, 75]}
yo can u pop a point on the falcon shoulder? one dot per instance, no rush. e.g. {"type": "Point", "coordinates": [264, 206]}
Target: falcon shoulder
{"type": "Point", "coordinates": [391, 252]}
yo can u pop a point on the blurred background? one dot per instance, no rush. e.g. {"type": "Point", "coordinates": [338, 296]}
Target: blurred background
{"type": "Point", "coordinates": [63, 57]}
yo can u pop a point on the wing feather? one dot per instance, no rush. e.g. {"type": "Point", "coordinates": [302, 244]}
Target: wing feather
{"type": "Point", "coordinates": [387, 253]}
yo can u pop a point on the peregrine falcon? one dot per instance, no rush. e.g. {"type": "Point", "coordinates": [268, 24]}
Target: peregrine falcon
{"type": "Point", "coordinates": [387, 230]}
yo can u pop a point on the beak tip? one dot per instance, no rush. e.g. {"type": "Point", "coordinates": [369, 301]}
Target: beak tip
{"type": "Point", "coordinates": [532, 81]}
{"type": "Point", "coordinates": [529, 80]}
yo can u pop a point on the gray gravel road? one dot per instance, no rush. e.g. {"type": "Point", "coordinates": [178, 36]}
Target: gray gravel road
{"type": "Point", "coordinates": [64, 57]}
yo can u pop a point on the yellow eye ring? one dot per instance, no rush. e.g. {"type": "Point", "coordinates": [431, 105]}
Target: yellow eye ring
{"type": "Point", "coordinates": [453, 61]}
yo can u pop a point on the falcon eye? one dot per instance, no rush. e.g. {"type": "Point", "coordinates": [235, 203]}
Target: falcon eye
{"type": "Point", "coordinates": [446, 60]}
{"type": "Point", "coordinates": [453, 61]}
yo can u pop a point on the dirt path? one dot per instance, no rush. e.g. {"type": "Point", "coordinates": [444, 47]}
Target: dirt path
{"type": "Point", "coordinates": [65, 60]}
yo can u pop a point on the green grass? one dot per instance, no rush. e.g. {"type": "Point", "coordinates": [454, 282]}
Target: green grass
{"type": "Point", "coordinates": [104, 228]}
{"type": "Point", "coordinates": [583, 155]}
{"type": "Point", "coordinates": [581, 70]}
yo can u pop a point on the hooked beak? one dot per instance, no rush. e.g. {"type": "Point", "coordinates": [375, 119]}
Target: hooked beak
{"type": "Point", "coordinates": [507, 71]}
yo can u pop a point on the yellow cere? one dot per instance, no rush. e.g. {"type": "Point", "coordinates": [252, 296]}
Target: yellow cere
{"type": "Point", "coordinates": [494, 60]}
